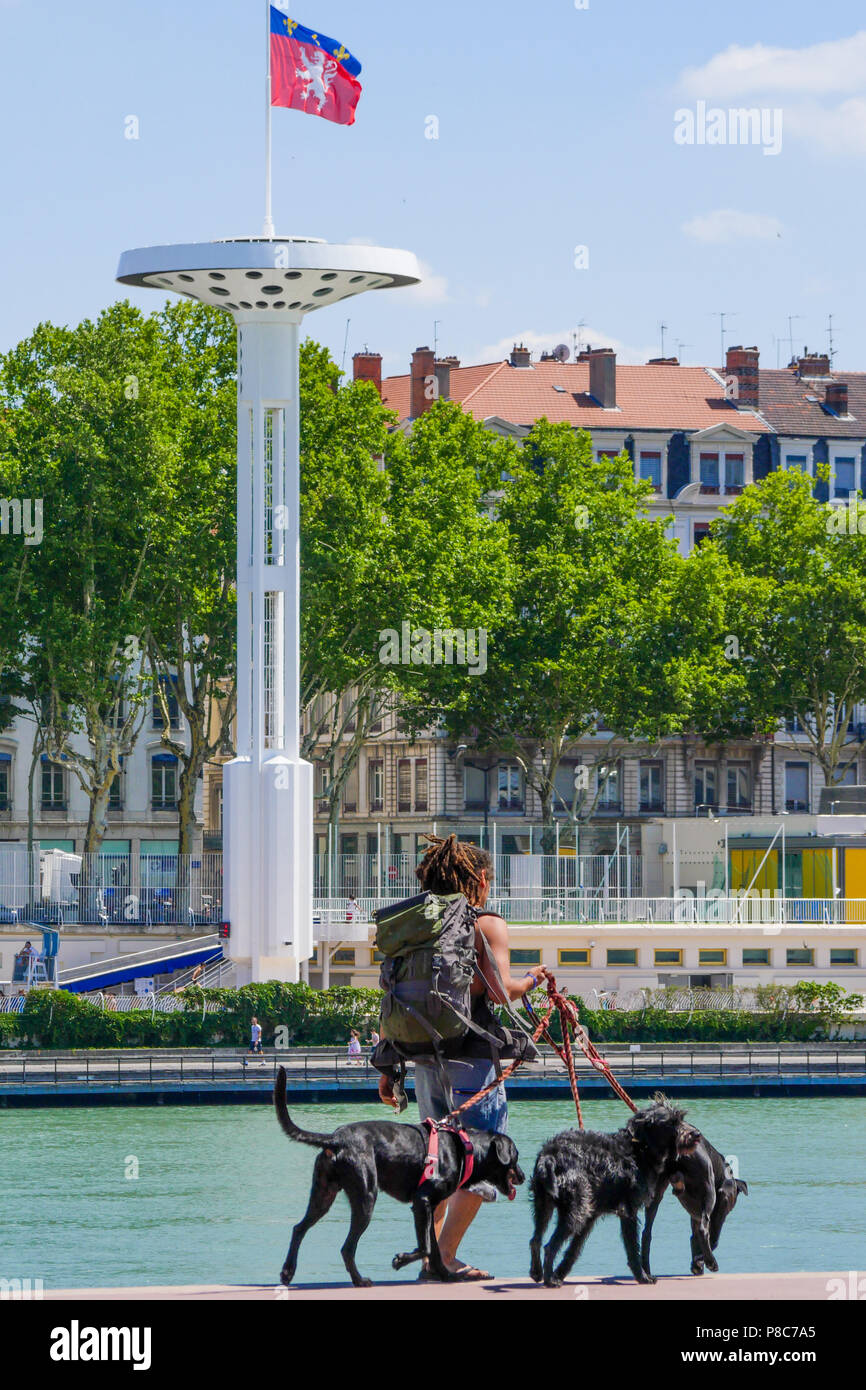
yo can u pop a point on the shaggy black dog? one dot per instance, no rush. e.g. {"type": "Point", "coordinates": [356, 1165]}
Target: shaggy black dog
{"type": "Point", "coordinates": [583, 1174]}
{"type": "Point", "coordinates": [361, 1159]}
{"type": "Point", "coordinates": [704, 1182]}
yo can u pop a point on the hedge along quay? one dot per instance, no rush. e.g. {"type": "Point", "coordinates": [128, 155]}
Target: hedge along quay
{"type": "Point", "coordinates": [572, 1031]}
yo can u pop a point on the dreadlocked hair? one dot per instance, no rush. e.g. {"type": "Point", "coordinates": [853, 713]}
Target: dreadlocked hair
{"type": "Point", "coordinates": [453, 866]}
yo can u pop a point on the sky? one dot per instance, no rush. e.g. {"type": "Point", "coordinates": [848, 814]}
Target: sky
{"type": "Point", "coordinates": [569, 191]}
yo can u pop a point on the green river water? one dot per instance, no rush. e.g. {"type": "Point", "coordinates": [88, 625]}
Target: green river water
{"type": "Point", "coordinates": [219, 1187]}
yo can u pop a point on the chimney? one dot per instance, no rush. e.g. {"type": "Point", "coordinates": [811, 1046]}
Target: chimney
{"type": "Point", "coordinates": [602, 376]}
{"type": "Point", "coordinates": [836, 397]}
{"type": "Point", "coordinates": [812, 364]}
{"type": "Point", "coordinates": [423, 381]}
{"type": "Point", "coordinates": [520, 356]}
{"type": "Point", "coordinates": [443, 375]}
{"type": "Point", "coordinates": [367, 366]}
{"type": "Point", "coordinates": [742, 364]}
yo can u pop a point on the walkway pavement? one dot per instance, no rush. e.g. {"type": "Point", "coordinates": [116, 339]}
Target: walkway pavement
{"type": "Point", "coordinates": [812, 1287]}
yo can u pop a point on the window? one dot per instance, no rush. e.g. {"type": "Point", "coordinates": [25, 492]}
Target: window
{"type": "Point", "coordinates": [843, 955]}
{"type": "Point", "coordinates": [5, 779]}
{"type": "Point", "coordinates": [322, 783]}
{"type": "Point", "coordinates": [739, 787]}
{"type": "Point", "coordinates": [420, 784]}
{"type": "Point", "coordinates": [565, 785]}
{"type": "Point", "coordinates": [375, 784]}
{"type": "Point", "coordinates": [735, 472]}
{"type": "Point", "coordinates": [510, 780]}
{"type": "Point", "coordinates": [651, 468]}
{"type": "Point", "coordinates": [350, 791]}
{"type": "Point", "coordinates": [53, 786]}
{"type": "Point", "coordinates": [706, 785]}
{"type": "Point", "coordinates": [756, 955]}
{"type": "Point", "coordinates": [343, 956]}
{"type": "Point", "coordinates": [709, 465]}
{"type": "Point", "coordinates": [115, 793]}
{"type": "Point", "coordinates": [796, 786]}
{"type": "Point", "coordinates": [800, 461]}
{"type": "Point", "coordinates": [474, 788]}
{"type": "Point", "coordinates": [845, 476]}
{"type": "Point", "coordinates": [169, 689]}
{"type": "Point", "coordinates": [404, 784]}
{"type": "Point", "coordinates": [713, 956]}
{"type": "Point", "coordinates": [665, 957]}
{"type": "Point", "coordinates": [521, 957]}
{"type": "Point", "coordinates": [700, 532]}
{"type": "Point", "coordinates": [348, 712]}
{"type": "Point", "coordinates": [796, 955]}
{"type": "Point", "coordinates": [163, 782]}
{"type": "Point", "coordinates": [376, 957]}
{"type": "Point", "coordinates": [651, 786]}
{"type": "Point", "coordinates": [610, 785]}
{"type": "Point", "coordinates": [616, 956]}
{"type": "Point", "coordinates": [579, 957]}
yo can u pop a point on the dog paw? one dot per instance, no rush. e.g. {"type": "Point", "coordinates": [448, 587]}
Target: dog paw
{"type": "Point", "coordinates": [647, 1279]}
{"type": "Point", "coordinates": [536, 1275]}
{"type": "Point", "coordinates": [286, 1277]}
{"type": "Point", "coordinates": [362, 1283]}
{"type": "Point", "coordinates": [697, 1268]}
{"type": "Point", "coordinates": [554, 1282]}
{"type": "Point", "coordinates": [712, 1265]}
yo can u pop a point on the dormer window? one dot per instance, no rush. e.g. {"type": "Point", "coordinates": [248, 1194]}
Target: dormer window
{"type": "Point", "coordinates": [709, 473]}
{"type": "Point", "coordinates": [650, 464]}
{"type": "Point", "coordinates": [735, 472]}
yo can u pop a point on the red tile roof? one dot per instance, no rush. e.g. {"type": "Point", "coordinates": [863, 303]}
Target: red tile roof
{"type": "Point", "coordinates": [784, 401]}
{"type": "Point", "coordinates": [648, 397]}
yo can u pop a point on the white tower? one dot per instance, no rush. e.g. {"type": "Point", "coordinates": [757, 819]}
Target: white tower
{"type": "Point", "coordinates": [268, 286]}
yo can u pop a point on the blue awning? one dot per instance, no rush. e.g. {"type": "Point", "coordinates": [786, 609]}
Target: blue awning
{"type": "Point", "coordinates": [167, 966]}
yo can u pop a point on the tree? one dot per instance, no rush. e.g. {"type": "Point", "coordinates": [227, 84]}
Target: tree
{"type": "Point", "coordinates": [191, 632]}
{"type": "Point", "coordinates": [85, 426]}
{"type": "Point", "coordinates": [797, 609]}
{"type": "Point", "coordinates": [583, 561]}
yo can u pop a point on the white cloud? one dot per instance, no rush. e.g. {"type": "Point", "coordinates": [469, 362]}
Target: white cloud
{"type": "Point", "coordinates": [836, 66]}
{"type": "Point", "coordinates": [727, 225]}
{"type": "Point", "coordinates": [539, 342]}
{"type": "Point", "coordinates": [795, 78]}
{"type": "Point", "coordinates": [433, 289]}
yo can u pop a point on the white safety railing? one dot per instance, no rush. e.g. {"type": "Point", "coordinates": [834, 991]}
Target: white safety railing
{"type": "Point", "coordinates": [546, 875]}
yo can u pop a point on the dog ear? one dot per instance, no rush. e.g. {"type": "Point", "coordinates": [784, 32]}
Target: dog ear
{"type": "Point", "coordinates": [502, 1149]}
{"type": "Point", "coordinates": [742, 1187]}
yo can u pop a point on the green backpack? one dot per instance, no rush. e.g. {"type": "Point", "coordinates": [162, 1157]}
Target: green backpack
{"type": "Point", "coordinates": [428, 945]}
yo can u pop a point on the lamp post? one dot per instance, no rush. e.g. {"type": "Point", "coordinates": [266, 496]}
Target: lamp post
{"type": "Point", "coordinates": [268, 285]}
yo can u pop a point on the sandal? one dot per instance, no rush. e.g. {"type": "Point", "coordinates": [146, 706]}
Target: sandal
{"type": "Point", "coordinates": [465, 1274]}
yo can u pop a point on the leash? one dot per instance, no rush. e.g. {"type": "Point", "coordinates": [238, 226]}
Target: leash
{"type": "Point", "coordinates": [572, 1028]}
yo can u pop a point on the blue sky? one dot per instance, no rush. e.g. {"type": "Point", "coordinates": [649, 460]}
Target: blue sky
{"type": "Point", "coordinates": [556, 131]}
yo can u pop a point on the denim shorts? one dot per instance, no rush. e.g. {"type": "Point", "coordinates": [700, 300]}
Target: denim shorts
{"type": "Point", "coordinates": [467, 1075]}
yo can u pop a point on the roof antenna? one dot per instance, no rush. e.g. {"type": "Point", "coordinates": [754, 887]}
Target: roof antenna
{"type": "Point", "coordinates": [345, 345]}
{"type": "Point", "coordinates": [830, 336]}
{"type": "Point", "coordinates": [791, 318]}
{"type": "Point", "coordinates": [436, 323]}
{"type": "Point", "coordinates": [722, 315]}
{"type": "Point", "coordinates": [662, 328]}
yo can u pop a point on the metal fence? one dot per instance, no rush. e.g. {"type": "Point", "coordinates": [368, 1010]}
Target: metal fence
{"type": "Point", "coordinates": [392, 876]}
{"type": "Point", "coordinates": [52, 887]}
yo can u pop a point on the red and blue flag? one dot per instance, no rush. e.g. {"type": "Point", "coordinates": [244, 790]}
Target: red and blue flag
{"type": "Point", "coordinates": [312, 73]}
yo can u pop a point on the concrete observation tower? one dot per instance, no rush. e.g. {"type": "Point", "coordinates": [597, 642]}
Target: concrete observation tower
{"type": "Point", "coordinates": [268, 284]}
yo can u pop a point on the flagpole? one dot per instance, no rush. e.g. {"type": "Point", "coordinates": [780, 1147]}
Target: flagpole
{"type": "Point", "coordinates": [268, 229]}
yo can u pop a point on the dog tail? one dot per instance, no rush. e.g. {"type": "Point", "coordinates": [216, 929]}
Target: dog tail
{"type": "Point", "coordinates": [287, 1124]}
{"type": "Point", "coordinates": [545, 1177]}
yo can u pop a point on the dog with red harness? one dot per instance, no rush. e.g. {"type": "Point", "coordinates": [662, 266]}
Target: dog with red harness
{"type": "Point", "coordinates": [421, 1165]}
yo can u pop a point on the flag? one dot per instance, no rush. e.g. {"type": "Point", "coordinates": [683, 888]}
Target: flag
{"type": "Point", "coordinates": [312, 73]}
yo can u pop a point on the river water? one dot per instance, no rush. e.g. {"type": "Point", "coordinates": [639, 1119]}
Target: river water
{"type": "Point", "coordinates": [208, 1194]}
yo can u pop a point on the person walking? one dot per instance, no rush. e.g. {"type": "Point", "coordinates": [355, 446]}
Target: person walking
{"type": "Point", "coordinates": [256, 1038]}
{"type": "Point", "coordinates": [451, 866]}
{"type": "Point", "coordinates": [353, 1051]}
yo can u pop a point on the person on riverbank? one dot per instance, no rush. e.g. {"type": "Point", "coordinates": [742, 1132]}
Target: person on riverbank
{"type": "Point", "coordinates": [353, 1051]}
{"type": "Point", "coordinates": [255, 1037]}
{"type": "Point", "coordinates": [451, 866]}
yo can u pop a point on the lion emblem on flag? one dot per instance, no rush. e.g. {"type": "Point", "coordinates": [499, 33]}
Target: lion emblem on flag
{"type": "Point", "coordinates": [317, 75]}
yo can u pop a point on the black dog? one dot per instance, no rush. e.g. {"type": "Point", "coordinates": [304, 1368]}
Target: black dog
{"type": "Point", "coordinates": [361, 1159]}
{"type": "Point", "coordinates": [583, 1174]}
{"type": "Point", "coordinates": [704, 1182]}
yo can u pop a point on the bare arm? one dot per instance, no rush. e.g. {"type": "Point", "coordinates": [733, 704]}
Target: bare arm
{"type": "Point", "coordinates": [496, 933]}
